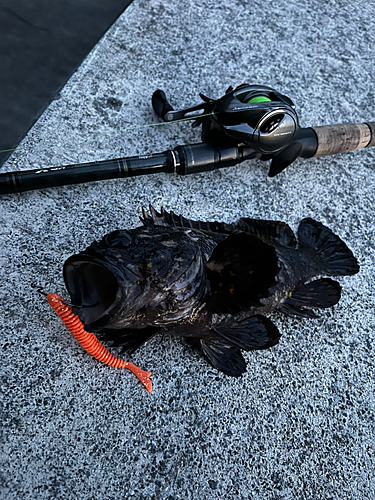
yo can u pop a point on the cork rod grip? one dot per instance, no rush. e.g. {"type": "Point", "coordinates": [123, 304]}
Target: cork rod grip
{"type": "Point", "coordinates": [334, 139]}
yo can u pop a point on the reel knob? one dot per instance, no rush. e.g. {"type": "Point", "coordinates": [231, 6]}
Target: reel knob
{"type": "Point", "coordinates": [161, 105]}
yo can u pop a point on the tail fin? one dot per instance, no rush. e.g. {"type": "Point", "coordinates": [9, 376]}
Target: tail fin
{"type": "Point", "coordinates": [337, 259]}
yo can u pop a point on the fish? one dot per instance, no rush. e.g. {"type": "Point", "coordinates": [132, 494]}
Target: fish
{"type": "Point", "coordinates": [213, 283]}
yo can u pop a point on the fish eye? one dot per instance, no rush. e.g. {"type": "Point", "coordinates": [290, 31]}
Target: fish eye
{"type": "Point", "coordinates": [117, 239]}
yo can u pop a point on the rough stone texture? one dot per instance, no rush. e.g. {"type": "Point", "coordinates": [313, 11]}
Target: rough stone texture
{"type": "Point", "coordinates": [301, 423]}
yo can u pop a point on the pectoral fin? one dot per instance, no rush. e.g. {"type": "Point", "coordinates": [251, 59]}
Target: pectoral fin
{"type": "Point", "coordinates": [128, 339]}
{"type": "Point", "coordinates": [224, 357]}
{"type": "Point", "coordinates": [241, 270]}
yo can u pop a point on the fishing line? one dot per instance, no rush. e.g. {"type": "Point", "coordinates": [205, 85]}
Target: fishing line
{"type": "Point", "coordinates": [116, 131]}
{"type": "Point", "coordinates": [7, 150]}
{"type": "Point", "coordinates": [138, 127]}
{"type": "Point", "coordinates": [83, 306]}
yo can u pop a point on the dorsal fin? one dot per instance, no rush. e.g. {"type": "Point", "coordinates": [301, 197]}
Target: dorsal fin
{"type": "Point", "coordinates": [165, 218]}
{"type": "Point", "coordinates": [273, 232]}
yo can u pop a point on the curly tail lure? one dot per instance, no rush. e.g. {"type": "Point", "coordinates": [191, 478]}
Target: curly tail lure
{"type": "Point", "coordinates": [89, 341]}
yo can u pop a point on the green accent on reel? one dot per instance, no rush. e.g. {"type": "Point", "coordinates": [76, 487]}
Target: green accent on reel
{"type": "Point", "coordinates": [260, 98]}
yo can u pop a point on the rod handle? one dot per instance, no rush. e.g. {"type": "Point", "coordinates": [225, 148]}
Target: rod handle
{"type": "Point", "coordinates": [342, 138]}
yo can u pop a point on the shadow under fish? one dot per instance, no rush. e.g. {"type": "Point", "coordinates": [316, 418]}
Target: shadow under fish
{"type": "Point", "coordinates": [211, 282]}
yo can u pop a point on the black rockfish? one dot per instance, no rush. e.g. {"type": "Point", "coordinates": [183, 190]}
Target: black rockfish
{"type": "Point", "coordinates": [209, 281]}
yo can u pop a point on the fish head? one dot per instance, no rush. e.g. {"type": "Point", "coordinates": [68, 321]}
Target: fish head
{"type": "Point", "coordinates": [143, 277]}
{"type": "Point", "coordinates": [106, 281]}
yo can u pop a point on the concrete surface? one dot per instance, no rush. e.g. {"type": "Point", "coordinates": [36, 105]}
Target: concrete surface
{"type": "Point", "coordinates": [300, 424]}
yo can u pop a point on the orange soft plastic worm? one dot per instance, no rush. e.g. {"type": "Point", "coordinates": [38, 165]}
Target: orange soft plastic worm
{"type": "Point", "coordinates": [89, 341]}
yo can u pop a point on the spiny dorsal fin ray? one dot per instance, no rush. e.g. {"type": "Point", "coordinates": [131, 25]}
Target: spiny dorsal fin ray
{"type": "Point", "coordinates": [165, 218]}
{"type": "Point", "coordinates": [274, 232]}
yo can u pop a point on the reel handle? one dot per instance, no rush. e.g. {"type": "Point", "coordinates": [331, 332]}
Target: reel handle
{"type": "Point", "coordinates": [160, 105]}
{"type": "Point", "coordinates": [165, 111]}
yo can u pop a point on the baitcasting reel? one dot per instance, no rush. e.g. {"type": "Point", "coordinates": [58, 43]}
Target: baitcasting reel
{"type": "Point", "coordinates": [254, 115]}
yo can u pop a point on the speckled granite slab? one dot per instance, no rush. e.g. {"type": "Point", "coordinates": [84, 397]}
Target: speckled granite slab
{"type": "Point", "coordinates": [300, 423]}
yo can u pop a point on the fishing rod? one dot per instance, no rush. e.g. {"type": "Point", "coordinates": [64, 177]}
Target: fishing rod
{"type": "Point", "coordinates": [248, 122]}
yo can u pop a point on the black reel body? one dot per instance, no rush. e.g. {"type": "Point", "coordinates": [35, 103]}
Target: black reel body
{"type": "Point", "coordinates": [256, 115]}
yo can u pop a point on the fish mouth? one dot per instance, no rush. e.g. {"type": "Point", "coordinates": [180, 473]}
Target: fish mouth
{"type": "Point", "coordinates": [93, 289]}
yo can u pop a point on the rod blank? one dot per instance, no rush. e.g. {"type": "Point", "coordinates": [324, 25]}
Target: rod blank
{"type": "Point", "coordinates": [27, 180]}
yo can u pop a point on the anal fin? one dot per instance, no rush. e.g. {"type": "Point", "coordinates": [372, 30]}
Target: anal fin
{"type": "Point", "coordinates": [322, 293]}
{"type": "Point", "coordinates": [292, 311]}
